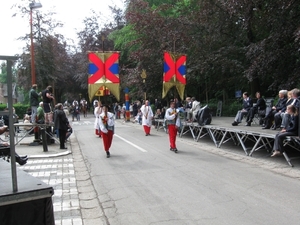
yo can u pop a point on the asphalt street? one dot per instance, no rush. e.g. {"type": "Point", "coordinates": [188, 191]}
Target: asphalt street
{"type": "Point", "coordinates": [145, 183]}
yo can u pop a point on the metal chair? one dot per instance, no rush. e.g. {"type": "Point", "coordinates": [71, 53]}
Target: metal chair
{"type": "Point", "coordinates": [219, 109]}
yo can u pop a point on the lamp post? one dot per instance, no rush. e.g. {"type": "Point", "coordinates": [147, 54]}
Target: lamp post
{"type": "Point", "coordinates": [102, 38]}
{"type": "Point", "coordinates": [32, 6]}
{"type": "Point", "coordinates": [144, 76]}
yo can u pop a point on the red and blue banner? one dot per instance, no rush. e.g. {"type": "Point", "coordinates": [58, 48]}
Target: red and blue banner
{"type": "Point", "coordinates": [103, 69]}
{"type": "Point", "coordinates": [174, 73]}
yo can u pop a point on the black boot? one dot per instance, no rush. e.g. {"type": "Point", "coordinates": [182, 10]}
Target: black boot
{"type": "Point", "coordinates": [267, 124]}
{"type": "Point", "coordinates": [20, 160]}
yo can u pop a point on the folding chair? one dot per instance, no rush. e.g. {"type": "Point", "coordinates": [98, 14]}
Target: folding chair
{"type": "Point", "coordinates": [219, 109]}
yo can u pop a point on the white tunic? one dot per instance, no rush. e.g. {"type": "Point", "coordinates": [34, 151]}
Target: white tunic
{"type": "Point", "coordinates": [110, 121]}
{"type": "Point", "coordinates": [97, 114]}
{"type": "Point", "coordinates": [147, 115]}
{"type": "Point", "coordinates": [171, 116]}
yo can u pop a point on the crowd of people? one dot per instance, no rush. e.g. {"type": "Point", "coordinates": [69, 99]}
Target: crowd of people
{"type": "Point", "coordinates": [283, 115]}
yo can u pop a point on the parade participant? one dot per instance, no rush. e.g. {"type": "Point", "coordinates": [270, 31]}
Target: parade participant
{"type": "Point", "coordinates": [107, 126]}
{"type": "Point", "coordinates": [97, 112]}
{"type": "Point", "coordinates": [147, 117]}
{"type": "Point", "coordinates": [173, 121]}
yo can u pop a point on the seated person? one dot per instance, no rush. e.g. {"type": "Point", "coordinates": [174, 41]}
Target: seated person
{"type": "Point", "coordinates": [40, 114]}
{"type": "Point", "coordinates": [188, 106]}
{"type": "Point", "coordinates": [281, 104]}
{"type": "Point", "coordinates": [259, 108]}
{"type": "Point", "coordinates": [194, 110]}
{"type": "Point", "coordinates": [247, 105]}
{"type": "Point", "coordinates": [5, 151]}
{"type": "Point", "coordinates": [285, 117]}
{"type": "Point", "coordinates": [157, 116]}
{"type": "Point", "coordinates": [291, 130]}
{"type": "Point", "coordinates": [278, 116]}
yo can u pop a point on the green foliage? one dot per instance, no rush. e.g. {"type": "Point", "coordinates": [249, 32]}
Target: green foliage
{"type": "Point", "coordinates": [19, 108]}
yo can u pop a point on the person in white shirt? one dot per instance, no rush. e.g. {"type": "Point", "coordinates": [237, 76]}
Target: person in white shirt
{"type": "Point", "coordinates": [107, 126]}
{"type": "Point", "coordinates": [147, 116]}
{"type": "Point", "coordinates": [173, 122]}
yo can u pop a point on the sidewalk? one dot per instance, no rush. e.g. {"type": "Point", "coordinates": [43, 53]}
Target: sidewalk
{"type": "Point", "coordinates": [74, 200]}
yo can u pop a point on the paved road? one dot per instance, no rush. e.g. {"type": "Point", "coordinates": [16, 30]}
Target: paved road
{"type": "Point", "coordinates": [145, 183]}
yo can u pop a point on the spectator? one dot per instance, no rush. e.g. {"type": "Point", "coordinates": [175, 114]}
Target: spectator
{"type": "Point", "coordinates": [34, 102]}
{"type": "Point", "coordinates": [40, 114]}
{"type": "Point", "coordinates": [47, 100]}
{"type": "Point", "coordinates": [194, 110]}
{"type": "Point", "coordinates": [62, 124]}
{"type": "Point", "coordinates": [281, 104]}
{"type": "Point", "coordinates": [259, 108]}
{"type": "Point", "coordinates": [4, 149]}
{"type": "Point", "coordinates": [247, 105]}
{"type": "Point", "coordinates": [291, 130]}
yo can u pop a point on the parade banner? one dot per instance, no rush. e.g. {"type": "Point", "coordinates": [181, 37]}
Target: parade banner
{"type": "Point", "coordinates": [174, 73]}
{"type": "Point", "coordinates": [103, 70]}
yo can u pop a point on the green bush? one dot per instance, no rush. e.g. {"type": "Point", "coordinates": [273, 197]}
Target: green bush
{"type": "Point", "coordinates": [20, 109]}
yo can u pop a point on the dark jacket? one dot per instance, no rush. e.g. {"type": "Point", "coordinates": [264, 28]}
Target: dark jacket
{"type": "Point", "coordinates": [281, 104]}
{"type": "Point", "coordinates": [293, 124]}
{"type": "Point", "coordinates": [34, 97]}
{"type": "Point", "coordinates": [247, 104]}
{"type": "Point", "coordinates": [61, 121]}
{"type": "Point", "coordinates": [260, 104]}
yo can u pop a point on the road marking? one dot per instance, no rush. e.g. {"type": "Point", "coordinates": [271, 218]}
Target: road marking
{"type": "Point", "coordinates": [134, 145]}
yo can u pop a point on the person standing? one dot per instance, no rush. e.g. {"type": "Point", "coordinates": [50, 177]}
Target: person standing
{"type": "Point", "coordinates": [147, 117]}
{"type": "Point", "coordinates": [107, 127]}
{"type": "Point", "coordinates": [47, 99]}
{"type": "Point", "coordinates": [34, 102]}
{"type": "Point", "coordinates": [173, 121]}
{"type": "Point", "coordinates": [62, 124]}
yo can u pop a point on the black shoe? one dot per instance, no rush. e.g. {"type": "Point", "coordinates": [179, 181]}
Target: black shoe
{"type": "Point", "coordinates": [24, 157]}
{"type": "Point", "coordinates": [21, 161]}
{"type": "Point", "coordinates": [248, 124]}
{"type": "Point", "coordinates": [175, 150]}
{"type": "Point", "coordinates": [267, 127]}
{"type": "Point", "coordinates": [107, 154]}
{"type": "Point", "coordinates": [274, 128]}
{"type": "Point", "coordinates": [172, 149]}
{"type": "Point", "coordinates": [64, 148]}
{"type": "Point", "coordinates": [235, 123]}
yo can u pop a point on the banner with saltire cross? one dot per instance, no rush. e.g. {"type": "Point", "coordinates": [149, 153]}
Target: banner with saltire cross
{"type": "Point", "coordinates": [103, 70]}
{"type": "Point", "coordinates": [174, 73]}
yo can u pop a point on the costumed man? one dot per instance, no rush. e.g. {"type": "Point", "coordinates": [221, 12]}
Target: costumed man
{"type": "Point", "coordinates": [173, 121]}
{"type": "Point", "coordinates": [147, 116]}
{"type": "Point", "coordinates": [107, 126]}
{"type": "Point", "coordinates": [97, 112]}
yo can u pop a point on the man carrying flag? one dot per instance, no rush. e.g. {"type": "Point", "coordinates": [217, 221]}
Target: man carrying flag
{"type": "Point", "coordinates": [173, 122]}
{"type": "Point", "coordinates": [107, 126]}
